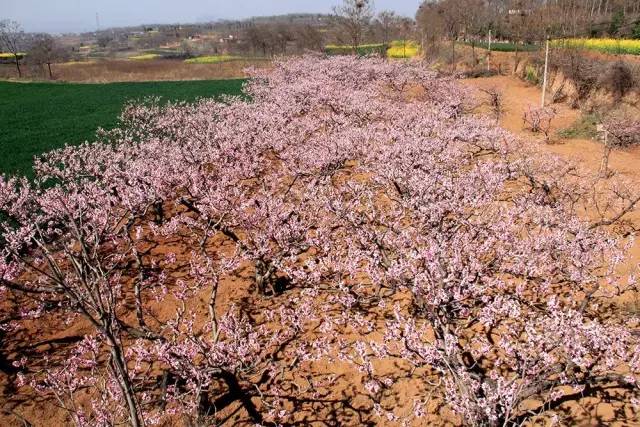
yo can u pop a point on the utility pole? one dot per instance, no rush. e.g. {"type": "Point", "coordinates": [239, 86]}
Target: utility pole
{"type": "Point", "coordinates": [546, 69]}
{"type": "Point", "coordinates": [97, 22]}
{"type": "Point", "coordinates": [489, 54]}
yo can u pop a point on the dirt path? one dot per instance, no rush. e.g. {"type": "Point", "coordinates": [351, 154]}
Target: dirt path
{"type": "Point", "coordinates": [519, 95]}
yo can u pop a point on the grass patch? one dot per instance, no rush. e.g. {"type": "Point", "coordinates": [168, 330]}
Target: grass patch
{"type": "Point", "coordinates": [39, 117]}
{"type": "Point", "coordinates": [362, 50]}
{"type": "Point", "coordinates": [80, 62]}
{"type": "Point", "coordinates": [531, 75]}
{"type": "Point", "coordinates": [506, 47]}
{"type": "Point", "coordinates": [212, 59]}
{"type": "Point", "coordinates": [583, 128]}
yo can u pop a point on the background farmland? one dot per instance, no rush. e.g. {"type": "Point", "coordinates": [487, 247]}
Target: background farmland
{"type": "Point", "coordinates": [38, 117]}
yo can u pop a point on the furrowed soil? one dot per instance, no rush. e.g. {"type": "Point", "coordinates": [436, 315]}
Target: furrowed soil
{"type": "Point", "coordinates": [123, 70]}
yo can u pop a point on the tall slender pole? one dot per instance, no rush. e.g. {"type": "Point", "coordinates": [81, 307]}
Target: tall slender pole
{"type": "Point", "coordinates": [546, 69]}
{"type": "Point", "coordinates": [489, 54]}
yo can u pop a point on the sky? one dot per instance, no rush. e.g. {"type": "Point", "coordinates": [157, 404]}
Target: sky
{"type": "Point", "coordinates": [59, 16]}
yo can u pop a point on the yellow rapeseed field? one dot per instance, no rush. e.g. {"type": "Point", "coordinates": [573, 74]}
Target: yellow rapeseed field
{"type": "Point", "coordinates": [395, 49]}
{"type": "Point", "coordinates": [5, 55]}
{"type": "Point", "coordinates": [212, 59]}
{"type": "Point", "coordinates": [145, 56]}
{"type": "Point", "coordinates": [403, 49]}
{"type": "Point", "coordinates": [623, 46]}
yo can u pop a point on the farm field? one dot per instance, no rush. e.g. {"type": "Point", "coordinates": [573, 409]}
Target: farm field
{"type": "Point", "coordinates": [38, 117]}
{"type": "Point", "coordinates": [611, 46]}
{"type": "Point", "coordinates": [364, 49]}
{"type": "Point", "coordinates": [506, 46]}
{"type": "Point", "coordinates": [145, 68]}
{"type": "Point", "coordinates": [395, 49]}
{"type": "Point", "coordinates": [213, 59]}
{"type": "Point", "coordinates": [403, 49]}
{"type": "Point", "coordinates": [145, 57]}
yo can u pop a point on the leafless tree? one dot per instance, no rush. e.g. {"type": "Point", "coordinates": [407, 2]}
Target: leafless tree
{"type": "Point", "coordinates": [186, 49]}
{"type": "Point", "coordinates": [262, 39]}
{"type": "Point", "coordinates": [495, 101]}
{"type": "Point", "coordinates": [451, 23]}
{"type": "Point", "coordinates": [308, 37]}
{"type": "Point", "coordinates": [353, 16]}
{"type": "Point", "coordinates": [11, 35]}
{"type": "Point", "coordinates": [387, 23]}
{"type": "Point", "coordinates": [45, 51]}
{"type": "Point", "coordinates": [475, 20]}
{"type": "Point", "coordinates": [530, 20]}
{"type": "Point", "coordinates": [283, 34]}
{"type": "Point", "coordinates": [104, 39]}
{"type": "Point", "coordinates": [431, 26]}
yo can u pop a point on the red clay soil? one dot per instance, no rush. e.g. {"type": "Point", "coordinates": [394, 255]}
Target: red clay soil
{"type": "Point", "coordinates": [519, 95]}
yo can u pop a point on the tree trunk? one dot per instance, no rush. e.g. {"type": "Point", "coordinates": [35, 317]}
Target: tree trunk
{"type": "Point", "coordinates": [604, 162]}
{"type": "Point", "coordinates": [122, 376]}
{"type": "Point", "coordinates": [50, 73]}
{"type": "Point", "coordinates": [18, 65]}
{"type": "Point", "coordinates": [453, 55]}
{"type": "Point", "coordinates": [236, 390]}
{"type": "Point", "coordinates": [473, 51]}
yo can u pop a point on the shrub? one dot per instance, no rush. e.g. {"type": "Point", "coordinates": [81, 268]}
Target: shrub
{"type": "Point", "coordinates": [538, 120]}
{"type": "Point", "coordinates": [635, 32]}
{"type": "Point", "coordinates": [582, 71]}
{"type": "Point", "coordinates": [495, 101]}
{"type": "Point", "coordinates": [531, 74]}
{"type": "Point", "coordinates": [618, 130]}
{"type": "Point", "coordinates": [618, 79]}
{"type": "Point", "coordinates": [623, 129]}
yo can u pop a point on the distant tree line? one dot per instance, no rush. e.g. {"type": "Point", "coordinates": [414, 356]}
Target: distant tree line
{"type": "Point", "coordinates": [528, 20]}
{"type": "Point", "coordinates": [36, 49]}
{"type": "Point", "coordinates": [352, 23]}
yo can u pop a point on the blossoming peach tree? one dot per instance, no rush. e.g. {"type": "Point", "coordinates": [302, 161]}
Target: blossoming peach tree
{"type": "Point", "coordinates": [364, 203]}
